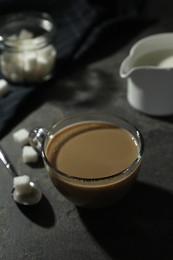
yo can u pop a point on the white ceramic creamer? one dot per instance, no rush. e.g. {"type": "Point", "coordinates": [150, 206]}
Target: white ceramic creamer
{"type": "Point", "coordinates": [149, 73]}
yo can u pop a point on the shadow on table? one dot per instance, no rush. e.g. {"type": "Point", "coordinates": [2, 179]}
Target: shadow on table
{"type": "Point", "coordinates": [85, 88]}
{"type": "Point", "coordinates": [42, 213]}
{"type": "Point", "coordinates": [139, 227]}
{"type": "Point", "coordinates": [165, 118]}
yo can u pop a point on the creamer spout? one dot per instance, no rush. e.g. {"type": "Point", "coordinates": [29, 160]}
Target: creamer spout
{"type": "Point", "coordinates": [126, 67]}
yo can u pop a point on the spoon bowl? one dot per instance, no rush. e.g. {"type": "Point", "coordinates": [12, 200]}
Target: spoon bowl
{"type": "Point", "coordinates": [31, 198]}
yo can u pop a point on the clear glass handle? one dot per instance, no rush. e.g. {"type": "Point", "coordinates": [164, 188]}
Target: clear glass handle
{"type": "Point", "coordinates": [36, 138]}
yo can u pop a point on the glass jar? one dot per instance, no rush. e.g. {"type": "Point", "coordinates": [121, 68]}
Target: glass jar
{"type": "Point", "coordinates": [28, 51]}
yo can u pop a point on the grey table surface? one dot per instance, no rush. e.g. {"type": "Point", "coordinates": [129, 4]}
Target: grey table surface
{"type": "Point", "coordinates": [140, 226]}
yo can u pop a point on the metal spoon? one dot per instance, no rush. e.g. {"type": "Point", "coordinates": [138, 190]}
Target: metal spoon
{"type": "Point", "coordinates": [30, 198]}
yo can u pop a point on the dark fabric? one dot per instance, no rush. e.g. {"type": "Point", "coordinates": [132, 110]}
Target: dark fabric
{"type": "Point", "coordinates": [79, 24]}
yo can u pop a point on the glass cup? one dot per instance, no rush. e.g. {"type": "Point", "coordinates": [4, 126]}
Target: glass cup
{"type": "Point", "coordinates": [84, 191]}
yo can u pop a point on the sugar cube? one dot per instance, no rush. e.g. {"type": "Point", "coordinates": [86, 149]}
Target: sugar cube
{"type": "Point", "coordinates": [22, 184]}
{"type": "Point", "coordinates": [4, 87]}
{"type": "Point", "coordinates": [29, 68]}
{"type": "Point", "coordinates": [21, 136]}
{"type": "Point", "coordinates": [25, 34]}
{"type": "Point", "coordinates": [29, 155]}
{"type": "Point", "coordinates": [12, 37]}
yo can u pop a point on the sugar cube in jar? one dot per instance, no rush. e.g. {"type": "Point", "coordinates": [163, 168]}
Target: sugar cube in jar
{"type": "Point", "coordinates": [29, 52]}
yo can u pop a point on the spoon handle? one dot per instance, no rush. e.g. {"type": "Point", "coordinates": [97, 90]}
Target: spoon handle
{"type": "Point", "coordinates": [4, 158]}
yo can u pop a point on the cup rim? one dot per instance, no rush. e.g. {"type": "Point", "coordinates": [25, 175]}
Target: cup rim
{"type": "Point", "coordinates": [124, 172]}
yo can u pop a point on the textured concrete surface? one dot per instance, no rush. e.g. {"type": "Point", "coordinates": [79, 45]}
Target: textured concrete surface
{"type": "Point", "coordinates": [138, 227]}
